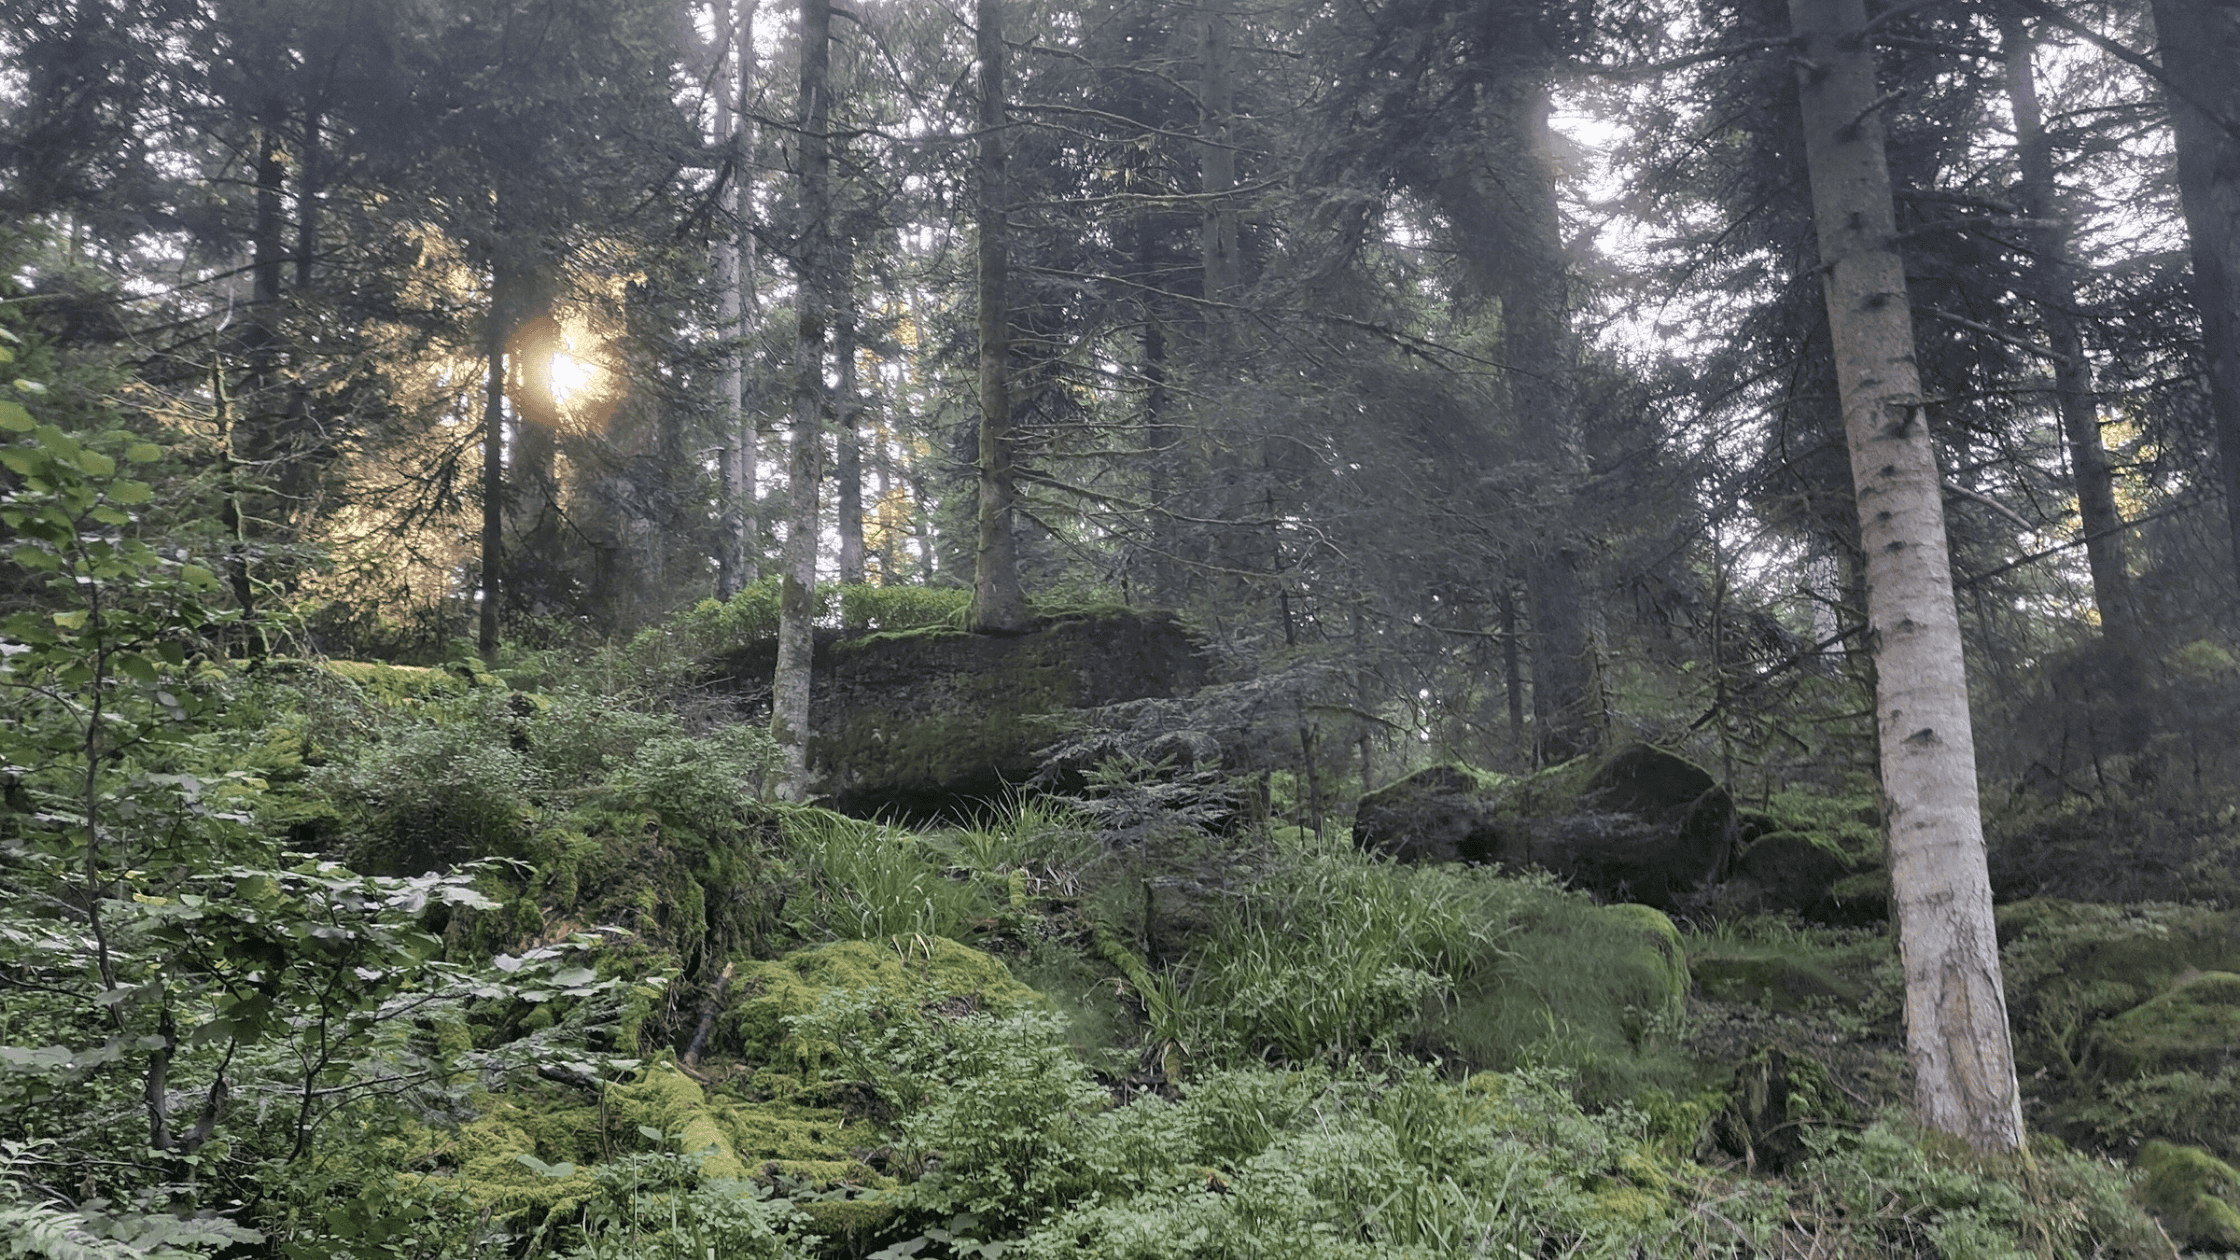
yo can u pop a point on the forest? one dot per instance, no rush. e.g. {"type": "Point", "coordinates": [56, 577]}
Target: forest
{"type": "Point", "coordinates": [1119, 628]}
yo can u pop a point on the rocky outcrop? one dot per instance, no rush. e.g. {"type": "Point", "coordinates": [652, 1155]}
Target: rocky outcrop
{"type": "Point", "coordinates": [1645, 825]}
{"type": "Point", "coordinates": [925, 723]}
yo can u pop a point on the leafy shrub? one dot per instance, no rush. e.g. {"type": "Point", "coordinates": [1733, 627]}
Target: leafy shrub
{"type": "Point", "coordinates": [658, 1205]}
{"type": "Point", "coordinates": [448, 788]}
{"type": "Point", "coordinates": [1887, 1191]}
{"type": "Point", "coordinates": [1254, 1162]}
{"type": "Point", "coordinates": [691, 780]}
{"type": "Point", "coordinates": [1005, 1136]}
{"type": "Point", "coordinates": [903, 607]}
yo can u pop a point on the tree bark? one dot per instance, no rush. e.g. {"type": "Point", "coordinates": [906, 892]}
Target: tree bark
{"type": "Point", "coordinates": [1956, 1020]}
{"type": "Point", "coordinates": [847, 415]}
{"type": "Point", "coordinates": [735, 564]}
{"type": "Point", "coordinates": [493, 479]}
{"type": "Point", "coordinates": [1217, 176]}
{"type": "Point", "coordinates": [999, 606]}
{"type": "Point", "coordinates": [1536, 335]}
{"type": "Point", "coordinates": [2054, 276]}
{"type": "Point", "coordinates": [797, 602]}
{"type": "Point", "coordinates": [2200, 45]}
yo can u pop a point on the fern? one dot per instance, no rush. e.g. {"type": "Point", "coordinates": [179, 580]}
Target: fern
{"type": "Point", "coordinates": [49, 1232]}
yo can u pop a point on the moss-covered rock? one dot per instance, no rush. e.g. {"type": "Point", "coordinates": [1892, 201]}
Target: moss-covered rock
{"type": "Point", "coordinates": [1644, 825]}
{"type": "Point", "coordinates": [523, 1157]}
{"type": "Point", "coordinates": [528, 1155]}
{"type": "Point", "coordinates": [2099, 960]}
{"type": "Point", "coordinates": [669, 1102]}
{"type": "Point", "coordinates": [1442, 813]}
{"type": "Point", "coordinates": [936, 722]}
{"type": "Point", "coordinates": [1658, 932]}
{"type": "Point", "coordinates": [1593, 989]}
{"type": "Point", "coordinates": [919, 974]}
{"type": "Point", "coordinates": [395, 685]}
{"type": "Point", "coordinates": [1793, 871]}
{"type": "Point", "coordinates": [2193, 1027]}
{"type": "Point", "coordinates": [2193, 1193]}
{"type": "Point", "coordinates": [1767, 975]}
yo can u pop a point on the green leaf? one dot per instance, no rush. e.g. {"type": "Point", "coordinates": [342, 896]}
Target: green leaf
{"type": "Point", "coordinates": [143, 453]}
{"type": "Point", "coordinates": [130, 492]}
{"type": "Point", "coordinates": [97, 464]}
{"type": "Point", "coordinates": [33, 388]}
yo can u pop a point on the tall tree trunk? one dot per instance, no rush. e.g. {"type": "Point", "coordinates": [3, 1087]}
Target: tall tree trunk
{"type": "Point", "coordinates": [2200, 44]}
{"type": "Point", "coordinates": [797, 595]}
{"type": "Point", "coordinates": [1533, 282]}
{"type": "Point", "coordinates": [735, 562]}
{"type": "Point", "coordinates": [1956, 1018]}
{"type": "Point", "coordinates": [998, 604]}
{"type": "Point", "coordinates": [1512, 673]}
{"type": "Point", "coordinates": [2055, 280]}
{"type": "Point", "coordinates": [1232, 557]}
{"type": "Point", "coordinates": [847, 417]}
{"type": "Point", "coordinates": [493, 477]}
{"type": "Point", "coordinates": [1217, 177]}
{"type": "Point", "coordinates": [534, 566]}
{"type": "Point", "coordinates": [254, 431]}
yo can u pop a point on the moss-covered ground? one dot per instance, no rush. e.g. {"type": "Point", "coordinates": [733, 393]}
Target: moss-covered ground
{"type": "Point", "coordinates": [840, 1038]}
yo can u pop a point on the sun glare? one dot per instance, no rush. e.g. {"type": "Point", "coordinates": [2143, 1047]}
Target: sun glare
{"type": "Point", "coordinates": [570, 376]}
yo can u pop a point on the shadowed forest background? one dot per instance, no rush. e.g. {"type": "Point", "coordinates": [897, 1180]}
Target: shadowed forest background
{"type": "Point", "coordinates": [678, 627]}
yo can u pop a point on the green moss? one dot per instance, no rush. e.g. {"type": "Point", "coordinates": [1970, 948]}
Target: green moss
{"type": "Point", "coordinates": [2194, 1026]}
{"type": "Point", "coordinates": [488, 1156]}
{"type": "Point", "coordinates": [671, 1103]}
{"type": "Point", "coordinates": [1583, 987]}
{"type": "Point", "coordinates": [2193, 1192]}
{"type": "Point", "coordinates": [394, 685]}
{"type": "Point", "coordinates": [855, 1221]}
{"type": "Point", "coordinates": [811, 1143]}
{"type": "Point", "coordinates": [915, 973]}
{"type": "Point", "coordinates": [1658, 931]}
{"type": "Point", "coordinates": [1775, 976]}
{"type": "Point", "coordinates": [1849, 824]}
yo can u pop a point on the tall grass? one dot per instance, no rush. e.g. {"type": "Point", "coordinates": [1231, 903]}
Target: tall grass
{"type": "Point", "coordinates": [872, 882]}
{"type": "Point", "coordinates": [1338, 954]}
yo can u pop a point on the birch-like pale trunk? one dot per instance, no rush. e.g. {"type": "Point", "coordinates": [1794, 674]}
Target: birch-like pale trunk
{"type": "Point", "coordinates": [797, 592]}
{"type": "Point", "coordinates": [999, 606]}
{"type": "Point", "coordinates": [1956, 1017]}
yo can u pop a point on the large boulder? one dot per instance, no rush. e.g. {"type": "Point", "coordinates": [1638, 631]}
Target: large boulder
{"type": "Point", "coordinates": [1646, 825]}
{"type": "Point", "coordinates": [1438, 814]}
{"type": "Point", "coordinates": [917, 724]}
{"type": "Point", "coordinates": [1788, 871]}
